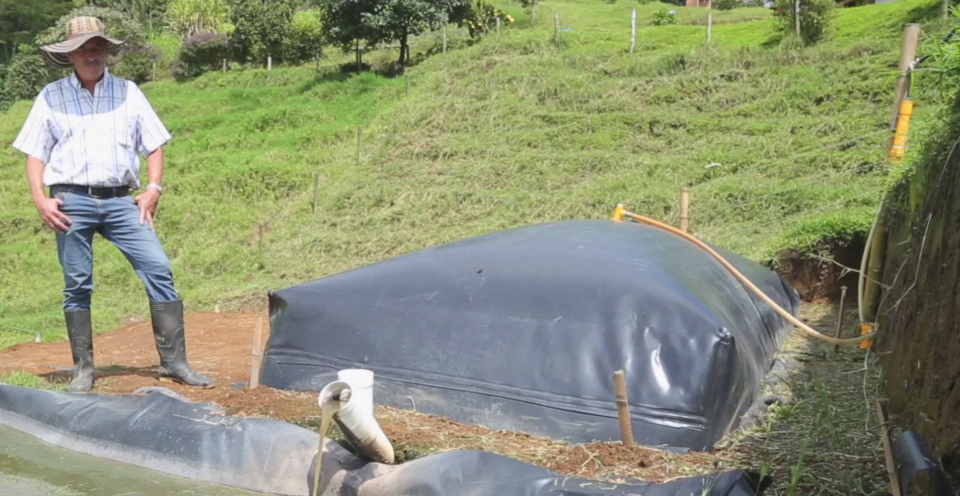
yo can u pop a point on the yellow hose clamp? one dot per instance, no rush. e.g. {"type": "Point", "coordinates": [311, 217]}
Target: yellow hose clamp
{"type": "Point", "coordinates": [866, 328]}
{"type": "Point", "coordinates": [620, 212]}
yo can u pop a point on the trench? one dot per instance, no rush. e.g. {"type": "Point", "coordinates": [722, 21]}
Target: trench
{"type": "Point", "coordinates": [822, 278]}
{"type": "Point", "coordinates": [30, 467]}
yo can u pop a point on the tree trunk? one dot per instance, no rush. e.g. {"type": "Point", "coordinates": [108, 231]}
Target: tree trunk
{"type": "Point", "coordinates": [404, 50]}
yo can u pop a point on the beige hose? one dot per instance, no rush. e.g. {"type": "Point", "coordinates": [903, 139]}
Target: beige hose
{"type": "Point", "coordinates": [621, 212]}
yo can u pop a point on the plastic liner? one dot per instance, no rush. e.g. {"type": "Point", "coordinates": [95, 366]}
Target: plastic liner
{"type": "Point", "coordinates": [913, 457]}
{"type": "Point", "coordinates": [523, 329]}
{"type": "Point", "coordinates": [192, 440]}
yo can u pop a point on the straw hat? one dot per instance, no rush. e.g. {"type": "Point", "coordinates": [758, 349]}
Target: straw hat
{"type": "Point", "coordinates": [79, 31]}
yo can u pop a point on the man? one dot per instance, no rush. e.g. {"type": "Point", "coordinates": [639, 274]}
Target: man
{"type": "Point", "coordinates": [81, 140]}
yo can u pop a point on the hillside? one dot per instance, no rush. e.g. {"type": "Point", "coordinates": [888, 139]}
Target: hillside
{"type": "Point", "coordinates": [512, 131]}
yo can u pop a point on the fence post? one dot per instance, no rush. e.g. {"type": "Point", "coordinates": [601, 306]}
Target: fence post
{"type": "Point", "coordinates": [556, 28]}
{"type": "Point", "coordinates": [908, 53]}
{"type": "Point", "coordinates": [633, 30]}
{"type": "Point", "coordinates": [684, 209]}
{"type": "Point", "coordinates": [797, 16]}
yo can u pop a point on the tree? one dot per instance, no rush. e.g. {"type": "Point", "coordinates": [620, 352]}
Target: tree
{"type": "Point", "coordinates": [347, 22]}
{"type": "Point", "coordinates": [259, 28]}
{"type": "Point", "coordinates": [21, 20]}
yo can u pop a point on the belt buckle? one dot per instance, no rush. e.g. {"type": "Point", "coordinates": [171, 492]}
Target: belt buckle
{"type": "Point", "coordinates": [91, 193]}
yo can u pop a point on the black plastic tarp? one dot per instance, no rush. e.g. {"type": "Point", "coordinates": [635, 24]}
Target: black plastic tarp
{"type": "Point", "coordinates": [523, 329]}
{"type": "Point", "coordinates": [196, 441]}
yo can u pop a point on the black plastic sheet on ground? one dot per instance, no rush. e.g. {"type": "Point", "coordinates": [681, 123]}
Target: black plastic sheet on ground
{"type": "Point", "coordinates": [523, 329]}
{"type": "Point", "coordinates": [196, 441]}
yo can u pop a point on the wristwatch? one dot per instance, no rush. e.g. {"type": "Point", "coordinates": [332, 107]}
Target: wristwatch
{"type": "Point", "coordinates": [156, 187]}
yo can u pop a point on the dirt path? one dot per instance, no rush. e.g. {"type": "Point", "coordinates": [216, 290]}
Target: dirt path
{"type": "Point", "coordinates": [816, 436]}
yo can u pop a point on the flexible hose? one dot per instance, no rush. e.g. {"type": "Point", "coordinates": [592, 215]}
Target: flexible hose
{"type": "Point", "coordinates": [862, 279]}
{"type": "Point", "coordinates": [736, 273]}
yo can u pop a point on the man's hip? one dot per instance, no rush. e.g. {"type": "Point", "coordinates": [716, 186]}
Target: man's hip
{"type": "Point", "coordinates": [97, 192]}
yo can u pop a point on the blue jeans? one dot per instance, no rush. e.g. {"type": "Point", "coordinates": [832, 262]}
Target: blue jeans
{"type": "Point", "coordinates": [117, 220]}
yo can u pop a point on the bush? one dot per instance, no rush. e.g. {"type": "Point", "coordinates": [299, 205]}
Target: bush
{"type": "Point", "coordinates": [189, 17]}
{"type": "Point", "coordinates": [482, 18]}
{"type": "Point", "coordinates": [664, 17]}
{"type": "Point", "coordinates": [137, 64]}
{"type": "Point", "coordinates": [26, 75]}
{"type": "Point", "coordinates": [816, 17]}
{"type": "Point", "coordinates": [301, 42]}
{"type": "Point", "coordinates": [259, 29]}
{"type": "Point", "coordinates": [201, 53]}
{"type": "Point", "coordinates": [728, 4]}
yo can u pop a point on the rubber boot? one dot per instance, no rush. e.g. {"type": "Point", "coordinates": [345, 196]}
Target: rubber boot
{"type": "Point", "coordinates": [80, 332]}
{"type": "Point", "coordinates": [167, 317]}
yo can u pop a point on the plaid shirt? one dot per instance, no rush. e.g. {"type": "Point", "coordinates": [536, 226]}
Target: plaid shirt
{"type": "Point", "coordinates": [91, 140]}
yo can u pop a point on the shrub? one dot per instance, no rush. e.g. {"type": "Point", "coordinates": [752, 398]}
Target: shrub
{"type": "Point", "coordinates": [259, 29]}
{"type": "Point", "coordinates": [26, 75]}
{"type": "Point", "coordinates": [301, 42]}
{"type": "Point", "coordinates": [816, 17]}
{"type": "Point", "coordinates": [137, 64]}
{"type": "Point", "coordinates": [664, 17]}
{"type": "Point", "coordinates": [483, 18]}
{"type": "Point", "coordinates": [189, 17]}
{"type": "Point", "coordinates": [728, 4]}
{"type": "Point", "coordinates": [201, 53]}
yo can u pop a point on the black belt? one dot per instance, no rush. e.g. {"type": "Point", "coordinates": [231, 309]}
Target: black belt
{"type": "Point", "coordinates": [91, 191]}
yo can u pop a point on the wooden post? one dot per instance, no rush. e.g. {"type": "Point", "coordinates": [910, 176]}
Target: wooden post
{"type": "Point", "coordinates": [358, 145]}
{"type": "Point", "coordinates": [498, 26]}
{"type": "Point", "coordinates": [269, 63]}
{"type": "Point", "coordinates": [224, 66]}
{"type": "Point", "coordinates": [316, 186]}
{"type": "Point", "coordinates": [908, 53]}
{"type": "Point", "coordinates": [796, 15]}
{"type": "Point", "coordinates": [684, 209]}
{"type": "Point", "coordinates": [843, 296]}
{"type": "Point", "coordinates": [888, 448]}
{"type": "Point", "coordinates": [556, 28]}
{"type": "Point", "coordinates": [444, 39]}
{"type": "Point", "coordinates": [709, 20]}
{"type": "Point", "coordinates": [633, 30]}
{"type": "Point", "coordinates": [257, 354]}
{"type": "Point", "coordinates": [623, 407]}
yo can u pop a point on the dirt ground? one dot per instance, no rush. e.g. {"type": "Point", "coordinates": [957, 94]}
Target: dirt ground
{"type": "Point", "coordinates": [219, 345]}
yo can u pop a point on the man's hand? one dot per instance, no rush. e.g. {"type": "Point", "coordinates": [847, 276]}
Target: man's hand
{"type": "Point", "coordinates": [49, 209]}
{"type": "Point", "coordinates": [147, 201]}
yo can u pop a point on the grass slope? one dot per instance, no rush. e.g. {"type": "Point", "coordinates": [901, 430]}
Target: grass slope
{"type": "Point", "coordinates": [512, 131]}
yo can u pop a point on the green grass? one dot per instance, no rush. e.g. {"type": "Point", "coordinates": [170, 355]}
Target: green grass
{"type": "Point", "coordinates": [511, 131]}
{"type": "Point", "coordinates": [24, 379]}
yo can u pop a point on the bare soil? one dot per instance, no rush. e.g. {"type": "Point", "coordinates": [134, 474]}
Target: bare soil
{"type": "Point", "coordinates": [220, 345]}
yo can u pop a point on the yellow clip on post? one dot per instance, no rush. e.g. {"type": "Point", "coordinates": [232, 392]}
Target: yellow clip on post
{"type": "Point", "coordinates": [898, 148]}
{"type": "Point", "coordinates": [622, 212]}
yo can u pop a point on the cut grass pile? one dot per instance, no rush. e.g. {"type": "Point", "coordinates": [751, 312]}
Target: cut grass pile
{"type": "Point", "coordinates": [780, 147]}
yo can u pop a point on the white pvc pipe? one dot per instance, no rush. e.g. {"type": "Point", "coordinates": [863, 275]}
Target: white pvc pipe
{"type": "Point", "coordinates": [351, 397]}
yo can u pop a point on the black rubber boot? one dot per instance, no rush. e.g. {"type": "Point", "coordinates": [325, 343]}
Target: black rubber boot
{"type": "Point", "coordinates": [80, 332]}
{"type": "Point", "coordinates": [167, 317]}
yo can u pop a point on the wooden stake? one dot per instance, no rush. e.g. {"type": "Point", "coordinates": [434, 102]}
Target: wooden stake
{"type": "Point", "coordinates": [908, 53]}
{"type": "Point", "coordinates": [843, 296]}
{"type": "Point", "coordinates": [444, 39]}
{"type": "Point", "coordinates": [269, 63]}
{"type": "Point", "coordinates": [498, 26]}
{"type": "Point", "coordinates": [623, 407]}
{"type": "Point", "coordinates": [358, 145]}
{"type": "Point", "coordinates": [684, 209]}
{"type": "Point", "coordinates": [633, 30]}
{"type": "Point", "coordinates": [888, 448]}
{"type": "Point", "coordinates": [316, 186]}
{"type": "Point", "coordinates": [257, 353]}
{"type": "Point", "coordinates": [797, 17]}
{"type": "Point", "coordinates": [556, 28]}
{"type": "Point", "coordinates": [709, 25]}
{"type": "Point", "coordinates": [154, 72]}
{"type": "Point", "coordinates": [224, 66]}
